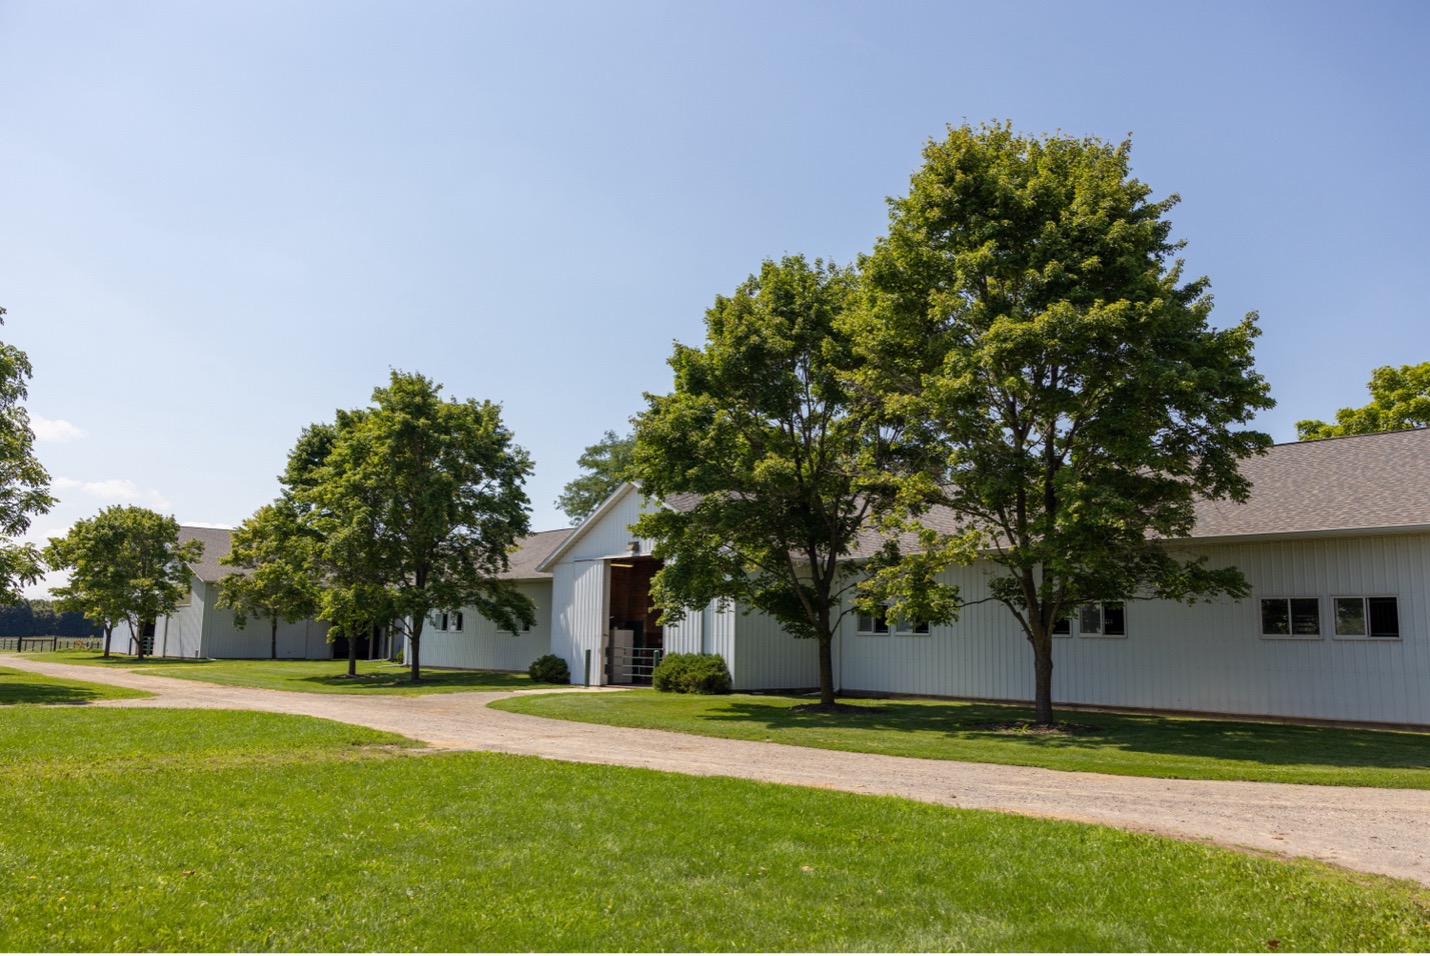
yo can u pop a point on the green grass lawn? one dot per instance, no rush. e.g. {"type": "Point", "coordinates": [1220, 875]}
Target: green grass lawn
{"type": "Point", "coordinates": [160, 830]}
{"type": "Point", "coordinates": [1134, 745]}
{"type": "Point", "coordinates": [316, 677]}
{"type": "Point", "coordinates": [22, 687]}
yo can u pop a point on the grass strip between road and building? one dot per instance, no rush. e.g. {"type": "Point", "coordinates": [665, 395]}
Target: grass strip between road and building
{"type": "Point", "coordinates": [213, 830]}
{"type": "Point", "coordinates": [312, 677]}
{"type": "Point", "coordinates": [1142, 745]}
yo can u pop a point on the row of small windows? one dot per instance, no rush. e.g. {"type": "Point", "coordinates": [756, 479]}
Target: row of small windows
{"type": "Point", "coordinates": [1098, 619]}
{"type": "Point", "coordinates": [447, 621]}
{"type": "Point", "coordinates": [1351, 617]}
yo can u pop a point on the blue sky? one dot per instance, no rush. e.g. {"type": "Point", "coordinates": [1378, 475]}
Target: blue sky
{"type": "Point", "coordinates": [221, 221]}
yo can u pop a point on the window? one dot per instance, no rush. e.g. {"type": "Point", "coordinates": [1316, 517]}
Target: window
{"type": "Point", "coordinates": [1369, 617]}
{"type": "Point", "coordinates": [1291, 617]}
{"type": "Point", "coordinates": [447, 621]}
{"type": "Point", "coordinates": [1102, 619]}
{"type": "Point", "coordinates": [878, 624]}
{"type": "Point", "coordinates": [1062, 627]}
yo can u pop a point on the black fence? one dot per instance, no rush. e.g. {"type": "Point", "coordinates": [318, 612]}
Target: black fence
{"type": "Point", "coordinates": [51, 643]}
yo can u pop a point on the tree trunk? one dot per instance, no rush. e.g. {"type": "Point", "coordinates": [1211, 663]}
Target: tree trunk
{"type": "Point", "coordinates": [352, 655]}
{"type": "Point", "coordinates": [414, 641]}
{"type": "Point", "coordinates": [826, 671]}
{"type": "Point", "coordinates": [138, 639]}
{"type": "Point", "coordinates": [1043, 669]}
{"type": "Point", "coordinates": [273, 642]}
{"type": "Point", "coordinates": [108, 633]}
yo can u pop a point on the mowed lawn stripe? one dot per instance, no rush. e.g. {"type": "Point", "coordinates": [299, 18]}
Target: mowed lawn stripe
{"type": "Point", "coordinates": [1141, 745]}
{"type": "Point", "coordinates": [472, 852]}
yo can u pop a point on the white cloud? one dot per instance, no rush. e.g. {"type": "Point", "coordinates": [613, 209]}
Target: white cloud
{"type": "Point", "coordinates": [55, 430]}
{"type": "Point", "coordinates": [114, 491]}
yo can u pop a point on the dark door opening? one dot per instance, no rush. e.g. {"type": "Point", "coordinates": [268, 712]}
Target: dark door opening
{"type": "Point", "coordinates": [636, 639]}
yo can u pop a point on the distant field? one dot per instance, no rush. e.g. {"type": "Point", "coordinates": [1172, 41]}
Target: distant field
{"type": "Point", "coordinates": [314, 677]}
{"type": "Point", "coordinates": [1142, 745]}
{"type": "Point", "coordinates": [167, 830]}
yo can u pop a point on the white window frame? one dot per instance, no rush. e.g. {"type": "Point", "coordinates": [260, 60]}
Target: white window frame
{"type": "Point", "coordinates": [878, 626]}
{"type": "Point", "coordinates": [1365, 634]}
{"type": "Point", "coordinates": [1290, 634]}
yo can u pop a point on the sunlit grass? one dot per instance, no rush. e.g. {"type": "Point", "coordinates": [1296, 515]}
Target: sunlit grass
{"type": "Point", "coordinates": [212, 835]}
{"type": "Point", "coordinates": [1129, 744]}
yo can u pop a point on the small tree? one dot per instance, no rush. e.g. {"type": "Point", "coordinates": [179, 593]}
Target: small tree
{"type": "Point", "coordinates": [24, 484]}
{"type": "Point", "coordinates": [126, 564]}
{"type": "Point", "coordinates": [417, 502]}
{"type": "Point", "coordinates": [1027, 315]}
{"type": "Point", "coordinates": [276, 581]}
{"type": "Point", "coordinates": [1399, 399]}
{"type": "Point", "coordinates": [783, 467]}
{"type": "Point", "coordinates": [607, 465]}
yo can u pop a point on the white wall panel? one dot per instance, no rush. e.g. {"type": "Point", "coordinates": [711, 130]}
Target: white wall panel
{"type": "Point", "coordinates": [578, 620]}
{"type": "Point", "coordinates": [1205, 657]}
{"type": "Point", "coordinates": [768, 658]}
{"type": "Point", "coordinates": [609, 535]}
{"type": "Point", "coordinates": [481, 645]}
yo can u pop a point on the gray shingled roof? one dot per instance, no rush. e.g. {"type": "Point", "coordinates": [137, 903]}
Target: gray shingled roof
{"type": "Point", "coordinates": [531, 551]}
{"type": "Point", "coordinates": [1359, 483]}
{"type": "Point", "coordinates": [216, 545]}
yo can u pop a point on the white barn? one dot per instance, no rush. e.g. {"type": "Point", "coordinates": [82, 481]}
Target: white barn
{"type": "Point", "coordinates": [1335, 542]}
{"type": "Point", "coordinates": [201, 629]}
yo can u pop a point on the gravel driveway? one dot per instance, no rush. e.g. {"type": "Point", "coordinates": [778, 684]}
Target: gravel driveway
{"type": "Point", "coordinates": [1376, 830]}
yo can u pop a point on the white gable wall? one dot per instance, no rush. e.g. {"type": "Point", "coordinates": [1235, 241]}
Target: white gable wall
{"type": "Point", "coordinates": [179, 634]}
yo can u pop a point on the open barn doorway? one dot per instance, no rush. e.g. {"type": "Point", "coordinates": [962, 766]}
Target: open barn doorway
{"type": "Point", "coordinates": [635, 639]}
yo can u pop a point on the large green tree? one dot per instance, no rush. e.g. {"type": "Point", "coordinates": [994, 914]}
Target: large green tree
{"type": "Point", "coordinates": [779, 468]}
{"type": "Point", "coordinates": [1027, 312]}
{"type": "Point", "coordinates": [125, 564]}
{"type": "Point", "coordinates": [24, 484]}
{"type": "Point", "coordinates": [275, 580]}
{"type": "Point", "coordinates": [417, 503]}
{"type": "Point", "coordinates": [605, 466]}
{"type": "Point", "coordinates": [1399, 398]}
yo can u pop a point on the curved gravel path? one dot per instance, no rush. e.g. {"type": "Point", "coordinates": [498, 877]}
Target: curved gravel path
{"type": "Point", "coordinates": [1375, 830]}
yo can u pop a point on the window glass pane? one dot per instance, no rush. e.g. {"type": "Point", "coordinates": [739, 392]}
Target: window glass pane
{"type": "Point", "coordinates": [1062, 626]}
{"type": "Point", "coordinates": [1350, 617]}
{"type": "Point", "coordinates": [1090, 619]}
{"type": "Point", "coordinates": [1274, 616]}
{"type": "Point", "coordinates": [458, 625]}
{"type": "Point", "coordinates": [1305, 616]}
{"type": "Point", "coordinates": [1114, 618]}
{"type": "Point", "coordinates": [1384, 617]}
{"type": "Point", "coordinates": [922, 627]}
{"type": "Point", "coordinates": [881, 625]}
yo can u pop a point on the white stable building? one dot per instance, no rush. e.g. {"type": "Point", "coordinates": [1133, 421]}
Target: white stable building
{"type": "Point", "coordinates": [1335, 542]}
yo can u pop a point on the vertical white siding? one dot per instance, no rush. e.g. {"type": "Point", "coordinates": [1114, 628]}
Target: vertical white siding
{"type": "Point", "coordinates": [1205, 657]}
{"type": "Point", "coordinates": [481, 645]}
{"type": "Point", "coordinates": [225, 639]}
{"type": "Point", "coordinates": [179, 634]}
{"type": "Point", "coordinates": [578, 619]}
{"type": "Point", "coordinates": [768, 658]}
{"type": "Point", "coordinates": [687, 637]}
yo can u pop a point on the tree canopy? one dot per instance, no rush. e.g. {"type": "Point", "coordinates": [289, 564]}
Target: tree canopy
{"type": "Point", "coordinates": [779, 466]}
{"type": "Point", "coordinates": [126, 564]}
{"type": "Point", "coordinates": [1027, 317]}
{"type": "Point", "coordinates": [415, 504]}
{"type": "Point", "coordinates": [24, 483]}
{"type": "Point", "coordinates": [606, 465]}
{"type": "Point", "coordinates": [1399, 399]}
{"type": "Point", "coordinates": [275, 581]}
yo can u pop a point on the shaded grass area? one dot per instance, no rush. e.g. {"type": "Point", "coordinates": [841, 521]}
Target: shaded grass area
{"type": "Point", "coordinates": [317, 677]}
{"type": "Point", "coordinates": [22, 687]}
{"type": "Point", "coordinates": [1128, 744]}
{"type": "Point", "coordinates": [488, 852]}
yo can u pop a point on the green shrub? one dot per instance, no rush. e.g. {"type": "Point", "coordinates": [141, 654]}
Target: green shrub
{"type": "Point", "coordinates": [549, 669]}
{"type": "Point", "coordinates": [692, 674]}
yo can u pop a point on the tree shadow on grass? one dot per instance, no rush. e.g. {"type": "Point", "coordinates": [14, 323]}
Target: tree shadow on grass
{"type": "Point", "coordinates": [475, 680]}
{"type": "Point", "coordinates": [1261, 743]}
{"type": "Point", "coordinates": [23, 692]}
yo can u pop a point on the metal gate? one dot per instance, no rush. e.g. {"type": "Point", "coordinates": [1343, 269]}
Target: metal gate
{"type": "Point", "coordinates": [631, 665]}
